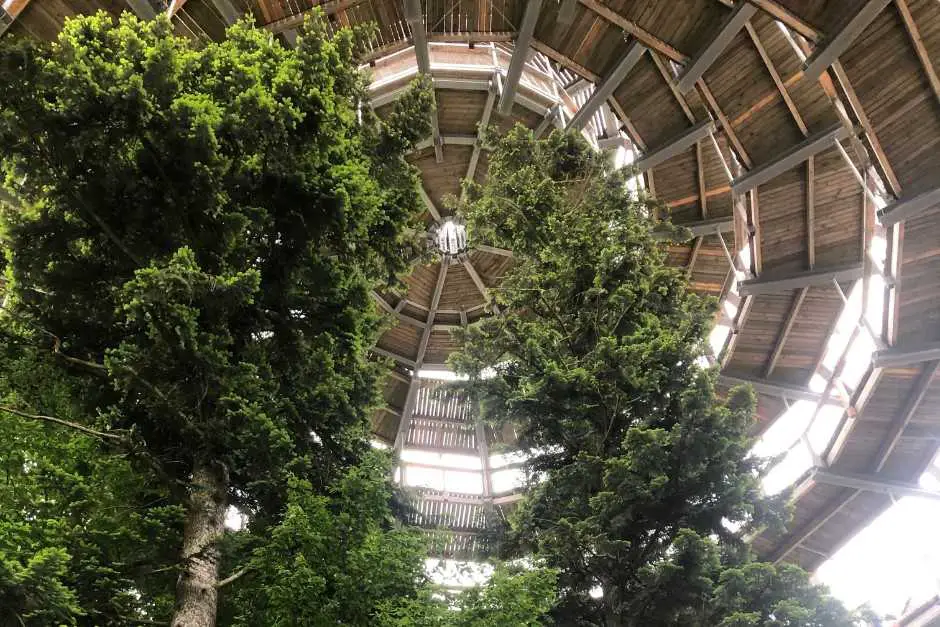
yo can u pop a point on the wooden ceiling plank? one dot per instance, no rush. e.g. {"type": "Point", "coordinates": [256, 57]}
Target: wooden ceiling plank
{"type": "Point", "coordinates": [700, 176]}
{"type": "Point", "coordinates": [174, 6]}
{"type": "Point", "coordinates": [520, 52]}
{"type": "Point", "coordinates": [797, 537]}
{"type": "Point", "coordinates": [732, 25]}
{"type": "Point", "coordinates": [686, 140]}
{"type": "Point", "coordinates": [566, 11]}
{"type": "Point", "coordinates": [789, 159]}
{"type": "Point", "coordinates": [645, 37]}
{"type": "Point", "coordinates": [10, 12]}
{"type": "Point", "coordinates": [775, 389]}
{"type": "Point", "coordinates": [296, 20]}
{"type": "Point", "coordinates": [837, 43]}
{"type": "Point", "coordinates": [811, 212]}
{"type": "Point", "coordinates": [606, 88]}
{"type": "Point", "coordinates": [817, 277]}
{"type": "Point", "coordinates": [781, 341]}
{"type": "Point", "coordinates": [914, 33]}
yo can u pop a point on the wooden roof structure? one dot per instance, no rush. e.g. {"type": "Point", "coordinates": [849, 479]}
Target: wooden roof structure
{"type": "Point", "coordinates": [798, 138]}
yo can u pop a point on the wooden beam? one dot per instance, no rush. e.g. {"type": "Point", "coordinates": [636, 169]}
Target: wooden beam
{"type": "Point", "coordinates": [739, 16]}
{"type": "Point", "coordinates": [781, 341]}
{"type": "Point", "coordinates": [789, 159]}
{"type": "Point", "coordinates": [520, 52]}
{"type": "Point", "coordinates": [394, 311]}
{"type": "Point", "coordinates": [811, 212]}
{"type": "Point", "coordinates": [909, 207]}
{"type": "Point", "coordinates": [493, 250]}
{"type": "Point", "coordinates": [693, 256]}
{"type": "Point", "coordinates": [833, 47]}
{"type": "Point", "coordinates": [605, 89]}
{"type": "Point", "coordinates": [900, 422]}
{"type": "Point", "coordinates": [296, 20]}
{"type": "Point", "coordinates": [902, 356]}
{"type": "Point", "coordinates": [775, 75]}
{"type": "Point", "coordinates": [710, 226]}
{"type": "Point", "coordinates": [676, 146]}
{"type": "Point", "coordinates": [227, 10]}
{"type": "Point", "coordinates": [142, 8]}
{"type": "Point", "coordinates": [885, 171]}
{"type": "Point", "coordinates": [872, 483]}
{"type": "Point", "coordinates": [898, 426]}
{"type": "Point", "coordinates": [174, 6]}
{"type": "Point", "coordinates": [399, 358]}
{"type": "Point", "coordinates": [771, 388]}
{"type": "Point", "coordinates": [700, 177]}
{"type": "Point", "coordinates": [10, 10]}
{"type": "Point", "coordinates": [414, 15]}
{"type": "Point", "coordinates": [788, 18]}
{"type": "Point", "coordinates": [917, 41]}
{"type": "Point", "coordinates": [481, 131]}
{"type": "Point", "coordinates": [671, 83]}
{"type": "Point", "coordinates": [817, 277]}
{"type": "Point", "coordinates": [631, 28]}
{"type": "Point", "coordinates": [736, 144]}
{"type": "Point", "coordinates": [432, 312]}
{"type": "Point", "coordinates": [428, 203]}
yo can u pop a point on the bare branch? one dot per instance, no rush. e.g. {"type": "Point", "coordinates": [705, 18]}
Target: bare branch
{"type": "Point", "coordinates": [238, 574]}
{"type": "Point", "coordinates": [65, 423]}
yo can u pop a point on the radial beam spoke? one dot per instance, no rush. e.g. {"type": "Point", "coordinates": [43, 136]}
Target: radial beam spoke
{"type": "Point", "coordinates": [779, 390]}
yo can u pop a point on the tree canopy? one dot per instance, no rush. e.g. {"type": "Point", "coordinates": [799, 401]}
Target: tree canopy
{"type": "Point", "coordinates": [594, 360]}
{"type": "Point", "coordinates": [197, 233]}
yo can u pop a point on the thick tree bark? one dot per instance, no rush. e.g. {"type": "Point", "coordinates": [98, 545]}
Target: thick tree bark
{"type": "Point", "coordinates": [196, 593]}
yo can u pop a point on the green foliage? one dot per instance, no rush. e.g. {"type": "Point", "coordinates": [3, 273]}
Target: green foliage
{"type": "Point", "coordinates": [595, 357]}
{"type": "Point", "coordinates": [333, 558]}
{"type": "Point", "coordinates": [197, 234]}
{"type": "Point", "coordinates": [34, 594]}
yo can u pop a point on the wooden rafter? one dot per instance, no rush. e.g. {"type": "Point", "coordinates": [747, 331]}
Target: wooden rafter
{"type": "Point", "coordinates": [789, 159]}
{"type": "Point", "coordinates": [481, 130]}
{"type": "Point", "coordinates": [781, 340]}
{"type": "Point", "coordinates": [709, 99]}
{"type": "Point", "coordinates": [675, 146]}
{"type": "Point", "coordinates": [817, 277]}
{"type": "Point", "coordinates": [914, 33]}
{"type": "Point", "coordinates": [775, 75]}
{"type": "Point", "coordinates": [838, 42]}
{"type": "Point", "coordinates": [606, 88]}
{"type": "Point", "coordinates": [227, 10]}
{"type": "Point", "coordinates": [721, 39]}
{"type": "Point", "coordinates": [631, 28]}
{"type": "Point", "coordinates": [142, 9]}
{"type": "Point", "coordinates": [671, 83]}
{"type": "Point", "coordinates": [898, 425]}
{"type": "Point", "coordinates": [788, 18]}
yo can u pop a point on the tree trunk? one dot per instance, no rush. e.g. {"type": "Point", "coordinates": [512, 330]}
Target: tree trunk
{"type": "Point", "coordinates": [196, 593]}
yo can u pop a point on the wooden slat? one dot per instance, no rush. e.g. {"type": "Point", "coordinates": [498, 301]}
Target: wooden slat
{"type": "Point", "coordinates": [788, 18]}
{"type": "Point", "coordinates": [781, 341]}
{"type": "Point", "coordinates": [676, 146]}
{"type": "Point", "coordinates": [775, 75]}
